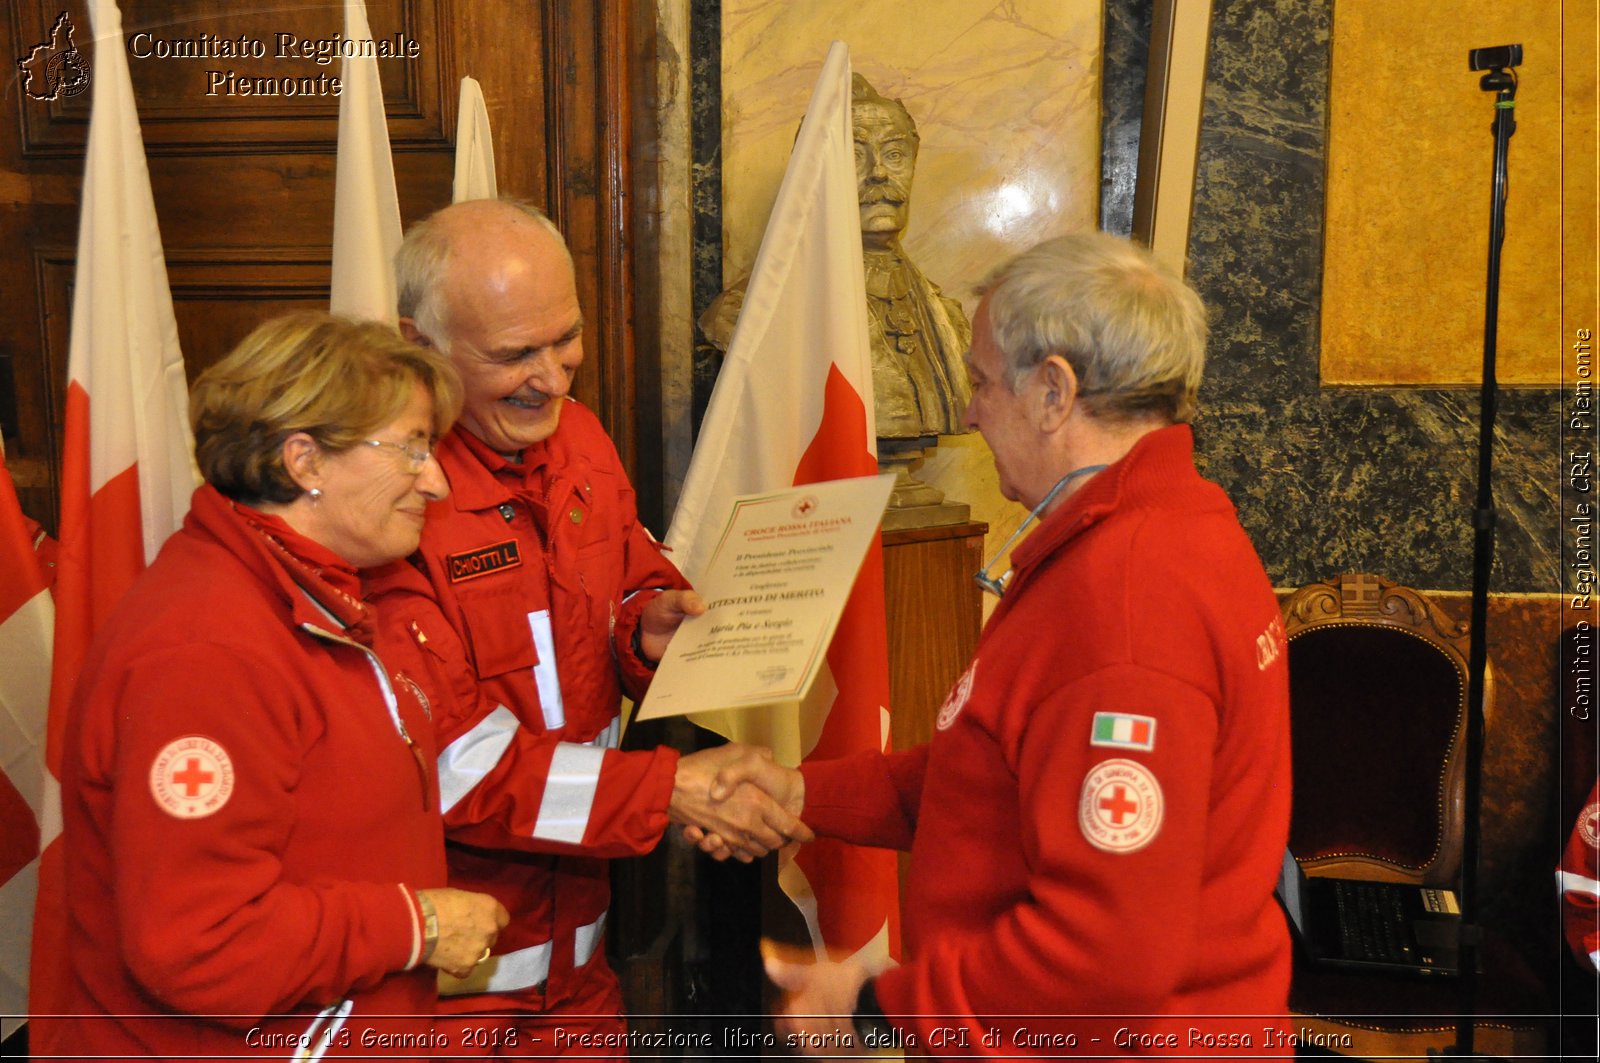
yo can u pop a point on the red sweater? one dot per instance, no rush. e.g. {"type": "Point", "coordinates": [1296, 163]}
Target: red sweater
{"type": "Point", "coordinates": [244, 816]}
{"type": "Point", "coordinates": [1098, 824]}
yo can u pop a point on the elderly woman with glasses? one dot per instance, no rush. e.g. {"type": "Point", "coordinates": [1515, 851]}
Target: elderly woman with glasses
{"type": "Point", "coordinates": [254, 856]}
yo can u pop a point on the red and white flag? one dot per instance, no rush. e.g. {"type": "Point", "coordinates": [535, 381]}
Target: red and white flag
{"type": "Point", "coordinates": [127, 468]}
{"type": "Point", "coordinates": [793, 405]}
{"type": "Point", "coordinates": [366, 209]}
{"type": "Point", "coordinates": [27, 618]}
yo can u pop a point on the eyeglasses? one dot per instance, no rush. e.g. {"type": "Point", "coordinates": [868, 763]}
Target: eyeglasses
{"type": "Point", "coordinates": [416, 460]}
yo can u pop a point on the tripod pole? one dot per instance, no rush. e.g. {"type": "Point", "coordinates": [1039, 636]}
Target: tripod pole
{"type": "Point", "coordinates": [1503, 84]}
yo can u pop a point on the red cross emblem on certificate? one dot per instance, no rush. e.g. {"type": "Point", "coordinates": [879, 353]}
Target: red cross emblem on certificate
{"type": "Point", "coordinates": [191, 777]}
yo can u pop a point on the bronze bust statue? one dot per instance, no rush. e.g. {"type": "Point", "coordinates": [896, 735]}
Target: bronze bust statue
{"type": "Point", "coordinates": [919, 335]}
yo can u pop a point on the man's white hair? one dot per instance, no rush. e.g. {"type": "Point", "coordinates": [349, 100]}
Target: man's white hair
{"type": "Point", "coordinates": [1132, 330]}
{"type": "Point", "coordinates": [423, 262]}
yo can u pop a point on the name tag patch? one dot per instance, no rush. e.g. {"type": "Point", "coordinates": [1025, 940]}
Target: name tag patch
{"type": "Point", "coordinates": [485, 561]}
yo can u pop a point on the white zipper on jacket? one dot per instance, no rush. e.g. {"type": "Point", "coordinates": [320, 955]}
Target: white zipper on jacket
{"type": "Point", "coordinates": [389, 700]}
{"type": "Point", "coordinates": [335, 1015]}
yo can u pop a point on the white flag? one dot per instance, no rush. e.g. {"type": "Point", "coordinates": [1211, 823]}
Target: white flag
{"type": "Point", "coordinates": [366, 210]}
{"type": "Point", "coordinates": [792, 405]}
{"type": "Point", "coordinates": [127, 468]}
{"type": "Point", "coordinates": [474, 147]}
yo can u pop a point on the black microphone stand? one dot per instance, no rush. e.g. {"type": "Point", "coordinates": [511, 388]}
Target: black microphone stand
{"type": "Point", "coordinates": [1502, 81]}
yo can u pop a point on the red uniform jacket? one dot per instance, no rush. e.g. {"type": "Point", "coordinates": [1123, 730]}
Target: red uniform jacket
{"type": "Point", "coordinates": [1098, 823]}
{"type": "Point", "coordinates": [535, 578]}
{"type": "Point", "coordinates": [245, 815]}
{"type": "Point", "coordinates": [1578, 879]}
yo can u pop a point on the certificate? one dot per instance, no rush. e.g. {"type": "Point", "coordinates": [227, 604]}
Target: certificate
{"type": "Point", "coordinates": [775, 587]}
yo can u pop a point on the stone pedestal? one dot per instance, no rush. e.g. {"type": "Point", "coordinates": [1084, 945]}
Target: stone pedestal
{"type": "Point", "coordinates": [912, 503]}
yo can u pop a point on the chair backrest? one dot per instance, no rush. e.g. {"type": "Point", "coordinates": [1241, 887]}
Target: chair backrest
{"type": "Point", "coordinates": [1377, 699]}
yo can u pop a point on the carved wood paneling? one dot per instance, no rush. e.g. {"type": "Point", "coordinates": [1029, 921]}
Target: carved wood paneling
{"type": "Point", "coordinates": [586, 176]}
{"type": "Point", "coordinates": [244, 186]}
{"type": "Point", "coordinates": [191, 106]}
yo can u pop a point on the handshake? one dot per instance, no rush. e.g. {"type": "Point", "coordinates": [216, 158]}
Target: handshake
{"type": "Point", "coordinates": [735, 800]}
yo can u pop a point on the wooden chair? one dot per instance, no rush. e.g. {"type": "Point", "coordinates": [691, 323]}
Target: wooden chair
{"type": "Point", "coordinates": [1378, 697]}
{"type": "Point", "coordinates": [1378, 701]}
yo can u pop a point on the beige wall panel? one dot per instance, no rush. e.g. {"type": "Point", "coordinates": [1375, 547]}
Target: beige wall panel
{"type": "Point", "coordinates": [1007, 103]}
{"type": "Point", "coordinates": [1410, 159]}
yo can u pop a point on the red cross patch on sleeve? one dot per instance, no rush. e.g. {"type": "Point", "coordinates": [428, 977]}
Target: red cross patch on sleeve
{"type": "Point", "coordinates": [192, 777]}
{"type": "Point", "coordinates": [1120, 808]}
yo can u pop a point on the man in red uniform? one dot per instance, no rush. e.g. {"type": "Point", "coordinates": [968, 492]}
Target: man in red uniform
{"type": "Point", "coordinates": [1578, 878]}
{"type": "Point", "coordinates": [541, 600]}
{"type": "Point", "coordinates": [1097, 826]}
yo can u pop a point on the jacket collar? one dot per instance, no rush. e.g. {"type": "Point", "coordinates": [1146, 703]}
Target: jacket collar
{"type": "Point", "coordinates": [481, 478]}
{"type": "Point", "coordinates": [270, 550]}
{"type": "Point", "coordinates": [1159, 469]}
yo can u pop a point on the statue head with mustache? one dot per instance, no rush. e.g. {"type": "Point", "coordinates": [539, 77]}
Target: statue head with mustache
{"type": "Point", "coordinates": [886, 158]}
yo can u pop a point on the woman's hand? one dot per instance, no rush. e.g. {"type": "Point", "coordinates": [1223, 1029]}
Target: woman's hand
{"type": "Point", "coordinates": [468, 926]}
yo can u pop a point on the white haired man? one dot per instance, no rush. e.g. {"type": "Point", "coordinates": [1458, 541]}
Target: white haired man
{"type": "Point", "coordinates": [1097, 826]}
{"type": "Point", "coordinates": [557, 601]}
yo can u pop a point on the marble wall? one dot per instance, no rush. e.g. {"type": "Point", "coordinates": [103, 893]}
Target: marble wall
{"type": "Point", "coordinates": [1006, 100]}
{"type": "Point", "coordinates": [1333, 480]}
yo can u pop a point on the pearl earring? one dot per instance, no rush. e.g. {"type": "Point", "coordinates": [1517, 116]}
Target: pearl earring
{"type": "Point", "coordinates": [316, 495]}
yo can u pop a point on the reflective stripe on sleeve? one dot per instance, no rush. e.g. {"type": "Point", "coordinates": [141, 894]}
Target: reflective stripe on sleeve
{"type": "Point", "coordinates": [586, 940]}
{"type": "Point", "coordinates": [611, 737]}
{"type": "Point", "coordinates": [544, 673]}
{"type": "Point", "coordinates": [509, 972]}
{"type": "Point", "coordinates": [314, 1044]}
{"type": "Point", "coordinates": [1572, 882]}
{"type": "Point", "coordinates": [464, 762]}
{"type": "Point", "coordinates": [503, 973]}
{"type": "Point", "coordinates": [569, 793]}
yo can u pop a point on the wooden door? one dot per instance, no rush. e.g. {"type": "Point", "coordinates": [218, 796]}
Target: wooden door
{"type": "Point", "coordinates": [243, 183]}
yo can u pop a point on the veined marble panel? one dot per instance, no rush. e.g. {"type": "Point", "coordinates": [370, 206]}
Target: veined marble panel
{"type": "Point", "coordinates": [1006, 97]}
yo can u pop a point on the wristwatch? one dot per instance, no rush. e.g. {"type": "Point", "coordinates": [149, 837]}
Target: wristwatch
{"type": "Point", "coordinates": [638, 648]}
{"type": "Point", "coordinates": [430, 926]}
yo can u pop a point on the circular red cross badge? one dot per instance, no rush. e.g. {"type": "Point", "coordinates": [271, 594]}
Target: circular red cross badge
{"type": "Point", "coordinates": [957, 699]}
{"type": "Point", "coordinates": [192, 777]}
{"type": "Point", "coordinates": [1120, 808]}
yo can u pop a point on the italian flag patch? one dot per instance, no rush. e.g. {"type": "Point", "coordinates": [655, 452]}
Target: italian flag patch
{"type": "Point", "coordinates": [1119, 730]}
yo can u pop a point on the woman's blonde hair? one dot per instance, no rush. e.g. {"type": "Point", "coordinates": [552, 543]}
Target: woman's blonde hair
{"type": "Point", "coordinates": [336, 380]}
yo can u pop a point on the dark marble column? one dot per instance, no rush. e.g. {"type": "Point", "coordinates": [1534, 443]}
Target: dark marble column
{"type": "Point", "coordinates": [1332, 480]}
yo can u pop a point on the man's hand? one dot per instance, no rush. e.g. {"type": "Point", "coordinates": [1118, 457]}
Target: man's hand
{"type": "Point", "coordinates": [818, 1004]}
{"type": "Point", "coordinates": [661, 617]}
{"type": "Point", "coordinates": [468, 925]}
{"type": "Point", "coordinates": [754, 768]}
{"type": "Point", "coordinates": [735, 800]}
